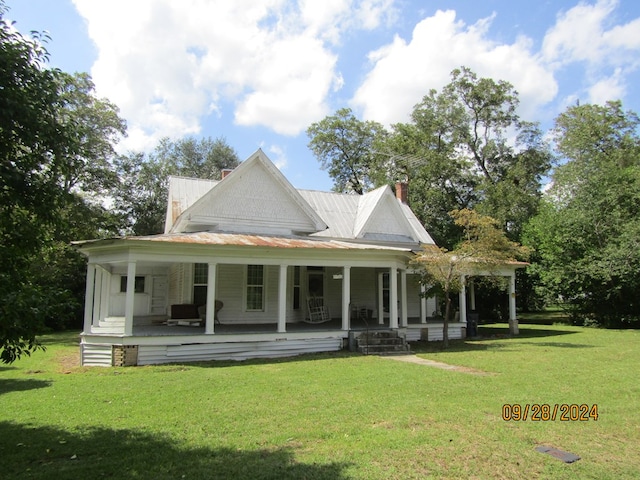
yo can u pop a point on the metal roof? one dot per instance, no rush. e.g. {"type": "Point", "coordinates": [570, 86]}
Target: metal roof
{"type": "Point", "coordinates": [184, 192]}
{"type": "Point", "coordinates": [370, 217]}
{"type": "Point", "coordinates": [234, 239]}
{"type": "Point", "coordinates": [337, 209]}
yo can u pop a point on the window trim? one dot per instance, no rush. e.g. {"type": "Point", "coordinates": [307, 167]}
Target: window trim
{"type": "Point", "coordinates": [200, 285]}
{"type": "Point", "coordinates": [139, 284]}
{"type": "Point", "coordinates": [247, 285]}
{"type": "Point", "coordinates": [297, 288]}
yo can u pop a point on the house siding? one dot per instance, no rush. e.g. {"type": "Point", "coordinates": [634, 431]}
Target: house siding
{"type": "Point", "coordinates": [148, 355]}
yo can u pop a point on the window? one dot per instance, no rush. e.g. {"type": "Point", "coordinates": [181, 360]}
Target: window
{"type": "Point", "coordinates": [200, 280]}
{"type": "Point", "coordinates": [296, 288]}
{"type": "Point", "coordinates": [139, 284]}
{"type": "Point", "coordinates": [255, 288]}
{"type": "Point", "coordinates": [385, 292]}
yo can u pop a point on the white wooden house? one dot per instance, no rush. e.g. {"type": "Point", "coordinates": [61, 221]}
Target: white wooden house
{"type": "Point", "coordinates": [248, 266]}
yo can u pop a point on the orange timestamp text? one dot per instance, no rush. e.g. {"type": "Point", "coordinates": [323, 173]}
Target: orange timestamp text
{"type": "Point", "coordinates": [544, 412]}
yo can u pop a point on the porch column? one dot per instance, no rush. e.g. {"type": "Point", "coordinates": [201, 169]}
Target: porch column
{"type": "Point", "coordinates": [423, 304]}
{"type": "Point", "coordinates": [88, 297]}
{"type": "Point", "coordinates": [346, 297]}
{"type": "Point", "coordinates": [513, 321]}
{"type": "Point", "coordinates": [99, 282]}
{"type": "Point", "coordinates": [129, 303]}
{"type": "Point", "coordinates": [381, 298]}
{"type": "Point", "coordinates": [404, 315]}
{"type": "Point", "coordinates": [210, 316]}
{"type": "Point", "coordinates": [393, 297]}
{"type": "Point", "coordinates": [282, 300]}
{"type": "Point", "coordinates": [472, 294]}
{"type": "Point", "coordinates": [463, 300]}
{"type": "Point", "coordinates": [104, 294]}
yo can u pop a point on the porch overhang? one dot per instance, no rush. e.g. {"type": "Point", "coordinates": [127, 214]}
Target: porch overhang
{"type": "Point", "coordinates": [239, 248]}
{"type": "Point", "coordinates": [235, 239]}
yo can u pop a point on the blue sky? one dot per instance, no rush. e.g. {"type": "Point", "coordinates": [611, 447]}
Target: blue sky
{"type": "Point", "coordinates": [258, 73]}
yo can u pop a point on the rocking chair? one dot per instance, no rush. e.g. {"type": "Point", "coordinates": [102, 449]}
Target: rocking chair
{"type": "Point", "coordinates": [318, 312]}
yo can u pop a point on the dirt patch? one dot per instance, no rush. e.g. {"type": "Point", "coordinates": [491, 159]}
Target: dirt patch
{"type": "Point", "coordinates": [432, 363]}
{"type": "Point", "coordinates": [68, 362]}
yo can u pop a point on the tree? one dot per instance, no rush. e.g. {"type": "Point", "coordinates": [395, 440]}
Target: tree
{"type": "Point", "coordinates": [423, 154]}
{"type": "Point", "coordinates": [143, 186]}
{"type": "Point", "coordinates": [456, 154]}
{"type": "Point", "coordinates": [31, 143]}
{"type": "Point", "coordinates": [586, 233]}
{"type": "Point", "coordinates": [95, 127]}
{"type": "Point", "coordinates": [54, 140]}
{"type": "Point", "coordinates": [484, 247]}
{"type": "Point", "coordinates": [344, 146]}
{"type": "Point", "coordinates": [203, 158]}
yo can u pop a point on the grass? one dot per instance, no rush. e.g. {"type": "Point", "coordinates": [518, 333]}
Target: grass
{"type": "Point", "coordinates": [549, 316]}
{"type": "Point", "coordinates": [329, 416]}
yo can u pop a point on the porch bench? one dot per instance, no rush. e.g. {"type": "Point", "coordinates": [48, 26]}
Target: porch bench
{"type": "Point", "coordinates": [184, 314]}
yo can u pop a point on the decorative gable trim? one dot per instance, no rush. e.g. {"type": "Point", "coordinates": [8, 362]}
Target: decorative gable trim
{"type": "Point", "coordinates": [254, 198]}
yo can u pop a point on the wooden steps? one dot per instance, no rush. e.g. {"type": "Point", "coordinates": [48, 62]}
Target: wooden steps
{"type": "Point", "coordinates": [382, 342]}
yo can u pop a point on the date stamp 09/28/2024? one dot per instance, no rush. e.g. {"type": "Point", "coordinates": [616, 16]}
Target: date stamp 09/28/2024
{"type": "Point", "coordinates": [545, 412]}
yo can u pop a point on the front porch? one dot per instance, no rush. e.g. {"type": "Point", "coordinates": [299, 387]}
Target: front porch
{"type": "Point", "coordinates": [155, 344]}
{"type": "Point", "coordinates": [265, 295]}
{"type": "Point", "coordinates": [335, 324]}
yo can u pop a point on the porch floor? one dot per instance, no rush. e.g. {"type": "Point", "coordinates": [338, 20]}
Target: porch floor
{"type": "Point", "coordinates": [234, 329]}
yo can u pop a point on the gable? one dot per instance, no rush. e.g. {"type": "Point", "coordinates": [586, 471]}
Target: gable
{"type": "Point", "coordinates": [254, 198]}
{"type": "Point", "coordinates": [380, 217]}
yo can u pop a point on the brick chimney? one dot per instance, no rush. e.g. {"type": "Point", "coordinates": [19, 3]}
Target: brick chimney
{"type": "Point", "coordinates": [225, 171]}
{"type": "Point", "coordinates": [402, 192]}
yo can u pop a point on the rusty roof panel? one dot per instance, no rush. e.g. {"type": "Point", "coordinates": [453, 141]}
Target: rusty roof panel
{"type": "Point", "coordinates": [234, 239]}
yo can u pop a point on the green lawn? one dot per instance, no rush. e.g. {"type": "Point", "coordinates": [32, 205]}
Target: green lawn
{"type": "Point", "coordinates": [333, 416]}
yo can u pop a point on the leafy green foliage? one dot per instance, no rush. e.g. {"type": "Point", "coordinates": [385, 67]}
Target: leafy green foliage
{"type": "Point", "coordinates": [29, 143]}
{"type": "Point", "coordinates": [143, 180]}
{"type": "Point", "coordinates": [94, 128]}
{"type": "Point", "coordinates": [484, 248]}
{"type": "Point", "coordinates": [586, 234]}
{"type": "Point", "coordinates": [55, 140]}
{"type": "Point", "coordinates": [344, 147]}
{"type": "Point", "coordinates": [456, 155]}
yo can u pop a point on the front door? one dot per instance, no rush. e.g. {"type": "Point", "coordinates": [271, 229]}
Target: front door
{"type": "Point", "coordinates": [159, 296]}
{"type": "Point", "coordinates": [315, 282]}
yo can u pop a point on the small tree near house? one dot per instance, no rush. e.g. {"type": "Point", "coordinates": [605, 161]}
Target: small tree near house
{"type": "Point", "coordinates": [484, 248]}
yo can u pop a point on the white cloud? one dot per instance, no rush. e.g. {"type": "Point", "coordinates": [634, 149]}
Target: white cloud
{"type": "Point", "coordinates": [609, 88]}
{"type": "Point", "coordinates": [168, 64]}
{"type": "Point", "coordinates": [294, 77]}
{"type": "Point", "coordinates": [403, 72]}
{"type": "Point", "coordinates": [278, 156]}
{"type": "Point", "coordinates": [579, 35]}
{"type": "Point", "coordinates": [585, 35]}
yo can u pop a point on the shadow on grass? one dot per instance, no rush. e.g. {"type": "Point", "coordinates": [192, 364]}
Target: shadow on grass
{"type": "Point", "coordinates": [503, 340]}
{"type": "Point", "coordinates": [486, 332]}
{"type": "Point", "coordinates": [339, 354]}
{"type": "Point", "coordinates": [556, 344]}
{"type": "Point", "coordinates": [68, 338]}
{"type": "Point", "coordinates": [12, 385]}
{"type": "Point", "coordinates": [46, 452]}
